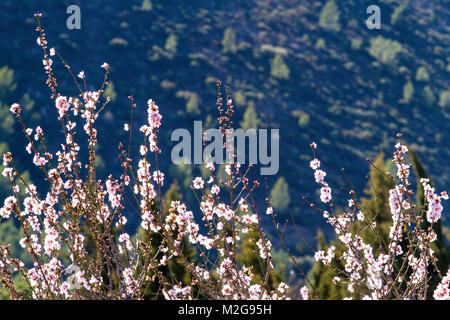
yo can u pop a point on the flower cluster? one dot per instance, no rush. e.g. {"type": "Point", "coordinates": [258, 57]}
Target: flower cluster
{"type": "Point", "coordinates": [442, 291]}
{"type": "Point", "coordinates": [319, 175]}
{"type": "Point", "coordinates": [406, 259]}
{"type": "Point", "coordinates": [80, 210]}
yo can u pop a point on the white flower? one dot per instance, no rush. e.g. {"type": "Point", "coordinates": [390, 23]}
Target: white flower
{"type": "Point", "coordinates": [198, 183]}
{"type": "Point", "coordinates": [226, 290]}
{"type": "Point", "coordinates": [158, 176]}
{"type": "Point", "coordinates": [143, 150]}
{"type": "Point", "coordinates": [304, 291]}
{"type": "Point", "coordinates": [360, 216]}
{"type": "Point", "coordinates": [347, 238]}
{"type": "Point", "coordinates": [215, 189]}
{"type": "Point", "coordinates": [314, 164]}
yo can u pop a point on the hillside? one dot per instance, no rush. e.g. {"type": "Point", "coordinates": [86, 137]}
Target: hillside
{"type": "Point", "coordinates": [313, 70]}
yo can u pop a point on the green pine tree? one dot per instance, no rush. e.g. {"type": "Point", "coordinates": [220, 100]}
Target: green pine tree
{"type": "Point", "coordinates": [171, 44]}
{"type": "Point", "coordinates": [386, 51]}
{"type": "Point", "coordinates": [422, 74]}
{"type": "Point", "coordinates": [428, 96]}
{"type": "Point", "coordinates": [408, 92]}
{"type": "Point", "coordinates": [329, 17]}
{"type": "Point", "coordinates": [7, 82]}
{"type": "Point", "coordinates": [278, 68]}
{"type": "Point", "coordinates": [376, 204]}
{"type": "Point", "coordinates": [229, 41]}
{"type": "Point", "coordinates": [279, 195]}
{"type": "Point", "coordinates": [251, 120]}
{"type": "Point", "coordinates": [444, 99]}
{"type": "Point", "coordinates": [146, 5]}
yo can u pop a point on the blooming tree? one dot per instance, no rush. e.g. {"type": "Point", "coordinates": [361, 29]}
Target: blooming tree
{"type": "Point", "coordinates": [401, 268]}
{"type": "Point", "coordinates": [79, 206]}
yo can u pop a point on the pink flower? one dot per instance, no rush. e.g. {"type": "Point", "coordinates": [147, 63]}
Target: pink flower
{"type": "Point", "coordinates": [304, 291]}
{"type": "Point", "coordinates": [325, 194]}
{"type": "Point", "coordinates": [62, 105]}
{"type": "Point", "coordinates": [346, 239]}
{"type": "Point", "coordinates": [319, 175]}
{"type": "Point", "coordinates": [154, 118]}
{"type": "Point", "coordinates": [39, 161]}
{"type": "Point", "coordinates": [442, 291]}
{"type": "Point", "coordinates": [15, 109]}
{"type": "Point", "coordinates": [7, 172]}
{"type": "Point", "coordinates": [158, 177]}
{"type": "Point", "coordinates": [124, 237]}
{"type": "Point", "coordinates": [215, 189]}
{"type": "Point", "coordinates": [228, 214]}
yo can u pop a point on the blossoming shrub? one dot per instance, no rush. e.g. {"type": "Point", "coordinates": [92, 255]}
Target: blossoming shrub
{"type": "Point", "coordinates": [80, 208]}
{"type": "Point", "coordinates": [402, 267]}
